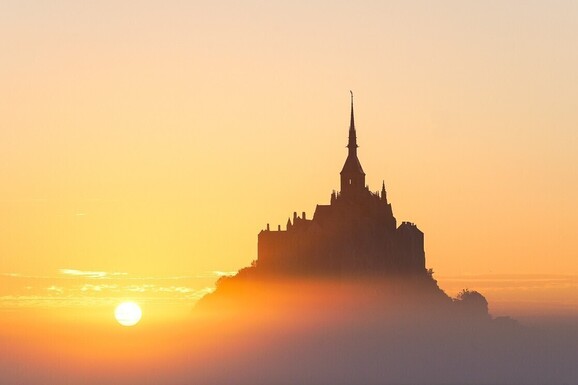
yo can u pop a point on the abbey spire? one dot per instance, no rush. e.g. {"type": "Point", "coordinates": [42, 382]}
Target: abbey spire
{"type": "Point", "coordinates": [352, 175]}
{"type": "Point", "coordinates": [352, 144]}
{"type": "Point", "coordinates": [383, 193]}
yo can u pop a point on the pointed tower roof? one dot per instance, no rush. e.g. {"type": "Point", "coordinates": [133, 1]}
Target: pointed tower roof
{"type": "Point", "coordinates": [352, 164]}
{"type": "Point", "coordinates": [383, 193]}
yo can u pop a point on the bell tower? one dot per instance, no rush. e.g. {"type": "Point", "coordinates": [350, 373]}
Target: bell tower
{"type": "Point", "coordinates": [352, 175]}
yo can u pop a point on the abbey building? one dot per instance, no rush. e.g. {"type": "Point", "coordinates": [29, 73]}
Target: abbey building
{"type": "Point", "coordinates": [355, 234]}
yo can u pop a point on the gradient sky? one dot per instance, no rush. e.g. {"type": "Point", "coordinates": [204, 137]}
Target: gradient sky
{"type": "Point", "coordinates": [158, 138]}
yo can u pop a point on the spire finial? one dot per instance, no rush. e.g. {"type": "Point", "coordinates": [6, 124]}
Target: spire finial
{"type": "Point", "coordinates": [352, 136]}
{"type": "Point", "coordinates": [352, 122]}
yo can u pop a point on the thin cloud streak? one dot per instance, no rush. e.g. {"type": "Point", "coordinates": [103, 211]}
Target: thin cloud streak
{"type": "Point", "coordinates": [90, 274]}
{"type": "Point", "coordinates": [498, 282]}
{"type": "Point", "coordinates": [224, 273]}
{"type": "Point", "coordinates": [79, 288]}
{"type": "Point", "coordinates": [504, 292]}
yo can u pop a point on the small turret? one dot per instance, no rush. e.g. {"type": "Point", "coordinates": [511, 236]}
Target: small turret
{"type": "Point", "coordinates": [383, 193]}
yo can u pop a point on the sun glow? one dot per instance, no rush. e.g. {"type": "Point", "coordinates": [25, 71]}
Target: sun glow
{"type": "Point", "coordinates": [128, 313]}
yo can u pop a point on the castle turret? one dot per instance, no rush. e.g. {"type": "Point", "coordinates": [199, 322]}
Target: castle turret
{"type": "Point", "coordinates": [352, 175]}
{"type": "Point", "coordinates": [383, 193]}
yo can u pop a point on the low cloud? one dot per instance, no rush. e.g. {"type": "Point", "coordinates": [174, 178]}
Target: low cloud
{"type": "Point", "coordinates": [56, 289]}
{"type": "Point", "coordinates": [72, 288]}
{"type": "Point", "coordinates": [224, 273]}
{"type": "Point", "coordinates": [98, 288]}
{"type": "Point", "coordinates": [90, 274]}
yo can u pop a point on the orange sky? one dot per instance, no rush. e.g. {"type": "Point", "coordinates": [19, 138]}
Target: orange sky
{"type": "Point", "coordinates": [158, 139]}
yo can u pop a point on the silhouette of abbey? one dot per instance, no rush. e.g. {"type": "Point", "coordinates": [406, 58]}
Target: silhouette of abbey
{"type": "Point", "coordinates": [356, 234]}
{"type": "Point", "coordinates": [353, 239]}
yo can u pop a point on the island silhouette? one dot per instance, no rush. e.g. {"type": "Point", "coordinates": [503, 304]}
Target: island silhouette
{"type": "Point", "coordinates": [345, 297]}
{"type": "Point", "coordinates": [351, 245]}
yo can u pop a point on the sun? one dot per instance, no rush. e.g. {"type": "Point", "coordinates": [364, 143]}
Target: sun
{"type": "Point", "coordinates": [127, 313]}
